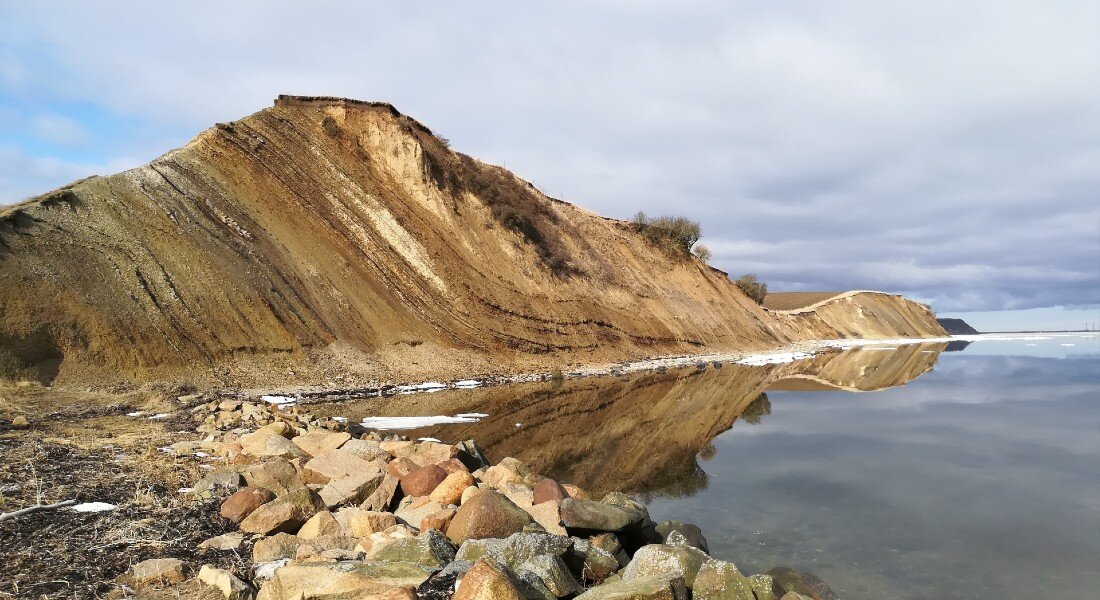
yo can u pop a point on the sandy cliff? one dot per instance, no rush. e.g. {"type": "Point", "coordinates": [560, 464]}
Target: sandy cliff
{"type": "Point", "coordinates": [326, 239]}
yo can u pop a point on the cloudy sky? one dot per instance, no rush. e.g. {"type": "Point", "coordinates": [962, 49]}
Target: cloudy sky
{"type": "Point", "coordinates": [946, 150]}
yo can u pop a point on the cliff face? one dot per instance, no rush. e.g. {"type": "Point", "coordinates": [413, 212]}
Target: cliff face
{"type": "Point", "coordinates": [957, 327]}
{"type": "Point", "coordinates": [323, 239]}
{"type": "Point", "coordinates": [859, 314]}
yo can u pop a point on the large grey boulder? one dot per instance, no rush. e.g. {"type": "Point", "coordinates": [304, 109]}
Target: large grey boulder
{"type": "Point", "coordinates": [662, 560]}
{"type": "Point", "coordinates": [648, 588]}
{"type": "Point", "coordinates": [548, 572]}
{"type": "Point", "coordinates": [720, 580]}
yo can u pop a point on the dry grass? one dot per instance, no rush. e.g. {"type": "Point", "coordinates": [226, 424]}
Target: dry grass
{"type": "Point", "coordinates": [795, 300]}
{"type": "Point", "coordinates": [82, 447]}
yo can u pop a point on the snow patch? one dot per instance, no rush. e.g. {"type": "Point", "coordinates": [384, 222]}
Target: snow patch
{"type": "Point", "coordinates": [94, 507]}
{"type": "Point", "coordinates": [278, 400]}
{"type": "Point", "coordinates": [386, 423]}
{"type": "Point", "coordinates": [427, 439]}
{"type": "Point", "coordinates": [774, 358]}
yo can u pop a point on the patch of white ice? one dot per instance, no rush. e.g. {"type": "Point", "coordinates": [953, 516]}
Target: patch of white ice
{"type": "Point", "coordinates": [774, 358]}
{"type": "Point", "coordinates": [160, 416]}
{"type": "Point", "coordinates": [467, 383]}
{"type": "Point", "coordinates": [93, 507]}
{"type": "Point", "coordinates": [280, 400]}
{"type": "Point", "coordinates": [136, 413]}
{"type": "Point", "coordinates": [427, 439]}
{"type": "Point", "coordinates": [386, 423]}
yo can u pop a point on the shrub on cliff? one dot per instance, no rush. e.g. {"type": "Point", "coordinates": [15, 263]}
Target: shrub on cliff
{"type": "Point", "coordinates": [671, 232]}
{"type": "Point", "coordinates": [702, 252]}
{"type": "Point", "coordinates": [752, 288]}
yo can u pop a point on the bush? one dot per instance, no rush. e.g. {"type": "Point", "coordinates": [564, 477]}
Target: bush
{"type": "Point", "coordinates": [752, 288]}
{"type": "Point", "coordinates": [702, 252]}
{"type": "Point", "coordinates": [677, 232]}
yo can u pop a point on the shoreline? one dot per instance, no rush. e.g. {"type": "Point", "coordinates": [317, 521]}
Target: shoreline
{"type": "Point", "coordinates": [790, 352]}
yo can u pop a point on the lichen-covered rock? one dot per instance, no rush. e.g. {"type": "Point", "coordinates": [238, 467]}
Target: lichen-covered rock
{"type": "Point", "coordinates": [786, 579]}
{"type": "Point", "coordinates": [487, 515]}
{"type": "Point", "coordinates": [341, 580]}
{"type": "Point", "coordinates": [243, 502]}
{"type": "Point", "coordinates": [589, 562]}
{"type": "Point", "coordinates": [690, 533]}
{"type": "Point", "coordinates": [430, 548]}
{"type": "Point", "coordinates": [225, 541]}
{"type": "Point", "coordinates": [650, 588]}
{"type": "Point", "coordinates": [719, 580]}
{"type": "Point", "coordinates": [367, 450]}
{"type": "Point", "coordinates": [761, 587]}
{"type": "Point", "coordinates": [277, 475]}
{"type": "Point", "coordinates": [438, 520]}
{"type": "Point", "coordinates": [216, 484]}
{"type": "Point", "coordinates": [157, 570]}
{"type": "Point", "coordinates": [589, 515]}
{"type": "Point", "coordinates": [487, 581]}
{"type": "Point", "coordinates": [515, 549]}
{"type": "Point", "coordinates": [549, 572]}
{"type": "Point", "coordinates": [319, 441]}
{"type": "Point", "coordinates": [286, 513]}
{"type": "Point", "coordinates": [662, 560]}
{"type": "Point", "coordinates": [275, 547]}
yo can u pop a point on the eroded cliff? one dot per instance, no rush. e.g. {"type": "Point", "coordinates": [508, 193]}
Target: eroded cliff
{"type": "Point", "coordinates": [325, 239]}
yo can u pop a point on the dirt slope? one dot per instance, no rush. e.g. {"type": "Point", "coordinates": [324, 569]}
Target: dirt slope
{"type": "Point", "coordinates": [327, 240]}
{"type": "Point", "coordinates": [860, 313]}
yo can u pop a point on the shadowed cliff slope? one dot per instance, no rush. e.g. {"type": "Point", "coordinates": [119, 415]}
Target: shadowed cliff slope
{"type": "Point", "coordinates": [326, 239]}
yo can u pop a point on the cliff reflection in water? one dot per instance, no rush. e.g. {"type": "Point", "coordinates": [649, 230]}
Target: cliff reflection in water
{"type": "Point", "coordinates": [644, 432]}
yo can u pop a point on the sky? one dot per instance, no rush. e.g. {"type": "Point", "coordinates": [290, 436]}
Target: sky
{"type": "Point", "coordinates": [949, 151]}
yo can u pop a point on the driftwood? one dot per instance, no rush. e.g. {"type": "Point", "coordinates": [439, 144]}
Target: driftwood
{"type": "Point", "coordinates": [35, 508]}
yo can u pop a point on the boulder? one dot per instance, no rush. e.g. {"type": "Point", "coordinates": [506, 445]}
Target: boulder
{"type": "Point", "coordinates": [449, 491]}
{"type": "Point", "coordinates": [487, 515]}
{"type": "Point", "coordinates": [319, 441]}
{"type": "Point", "coordinates": [226, 541]}
{"type": "Point", "coordinates": [400, 467]}
{"type": "Point", "coordinates": [589, 515]}
{"type": "Point", "coordinates": [452, 465]}
{"type": "Point", "coordinates": [286, 513]}
{"type": "Point", "coordinates": [516, 549]}
{"type": "Point", "coordinates": [794, 596]}
{"type": "Point", "coordinates": [468, 493]}
{"type": "Point", "coordinates": [762, 587]}
{"type": "Point", "coordinates": [423, 480]}
{"type": "Point", "coordinates": [412, 511]}
{"type": "Point", "coordinates": [487, 581]}
{"type": "Point", "coordinates": [365, 522]}
{"type": "Point", "coordinates": [216, 484]}
{"type": "Point", "coordinates": [275, 547]}
{"type": "Point", "coordinates": [367, 450]}
{"type": "Point", "coordinates": [786, 579]}
{"type": "Point", "coordinates": [242, 503]}
{"type": "Point", "coordinates": [319, 525]}
{"type": "Point", "coordinates": [277, 475]}
{"type": "Point", "coordinates": [690, 532]}
{"type": "Point", "coordinates": [382, 498]}
{"type": "Point", "coordinates": [610, 543]}
{"type": "Point", "coordinates": [269, 445]}
{"type": "Point", "coordinates": [548, 490]}
{"type": "Point", "coordinates": [438, 520]}
{"type": "Point", "coordinates": [225, 582]}
{"type": "Point", "coordinates": [508, 470]}
{"type": "Point", "coordinates": [590, 562]}
{"type": "Point", "coordinates": [662, 560]}
{"type": "Point", "coordinates": [157, 571]}
{"type": "Point", "coordinates": [350, 489]}
{"type": "Point", "coordinates": [430, 548]}
{"type": "Point", "coordinates": [335, 464]}
{"type": "Point", "coordinates": [329, 581]}
{"type": "Point", "coordinates": [431, 453]}
{"type": "Point", "coordinates": [518, 493]}
{"type": "Point", "coordinates": [546, 515]}
{"type": "Point", "coordinates": [720, 580]}
{"type": "Point", "coordinates": [336, 547]}
{"type": "Point", "coordinates": [398, 448]}
{"type": "Point", "coordinates": [549, 572]}
{"type": "Point", "coordinates": [651, 588]}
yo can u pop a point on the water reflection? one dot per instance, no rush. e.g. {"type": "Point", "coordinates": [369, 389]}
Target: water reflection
{"type": "Point", "coordinates": [643, 432]}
